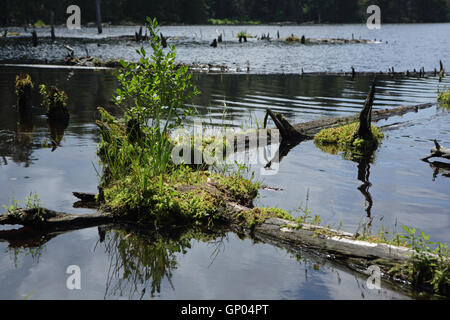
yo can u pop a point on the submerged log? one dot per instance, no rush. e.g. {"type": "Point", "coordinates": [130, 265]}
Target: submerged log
{"type": "Point", "coordinates": [24, 86]}
{"type": "Point", "coordinates": [438, 151]}
{"type": "Point", "coordinates": [365, 117]}
{"type": "Point", "coordinates": [54, 221]}
{"type": "Point", "coordinates": [333, 245]}
{"type": "Point", "coordinates": [286, 130]}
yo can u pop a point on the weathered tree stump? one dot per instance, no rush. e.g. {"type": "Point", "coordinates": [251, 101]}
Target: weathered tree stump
{"type": "Point", "coordinates": [52, 26]}
{"type": "Point", "coordinates": [163, 40]}
{"type": "Point", "coordinates": [365, 117]}
{"type": "Point", "coordinates": [99, 16]}
{"type": "Point", "coordinates": [438, 151]}
{"type": "Point", "coordinates": [24, 86]}
{"type": "Point", "coordinates": [287, 132]}
{"type": "Point", "coordinates": [34, 38]}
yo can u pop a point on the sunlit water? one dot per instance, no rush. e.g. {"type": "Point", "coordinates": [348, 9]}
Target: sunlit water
{"type": "Point", "coordinates": [404, 190]}
{"type": "Point", "coordinates": [405, 47]}
{"type": "Point", "coordinates": [397, 188]}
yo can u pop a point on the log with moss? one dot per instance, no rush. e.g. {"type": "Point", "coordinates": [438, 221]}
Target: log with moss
{"type": "Point", "coordinates": [24, 87]}
{"type": "Point", "coordinates": [141, 184]}
{"type": "Point", "coordinates": [55, 103]}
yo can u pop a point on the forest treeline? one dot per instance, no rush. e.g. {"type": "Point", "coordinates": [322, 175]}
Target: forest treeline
{"type": "Point", "coordinates": [20, 12]}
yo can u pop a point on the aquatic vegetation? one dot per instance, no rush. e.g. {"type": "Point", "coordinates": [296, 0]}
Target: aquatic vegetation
{"type": "Point", "coordinates": [55, 102]}
{"type": "Point", "coordinates": [444, 98]}
{"type": "Point", "coordinates": [344, 139]}
{"type": "Point", "coordinates": [139, 178]}
{"type": "Point", "coordinates": [23, 84]}
{"type": "Point", "coordinates": [243, 33]}
{"type": "Point", "coordinates": [428, 267]}
{"type": "Point", "coordinates": [251, 218]}
{"type": "Point", "coordinates": [29, 212]}
{"type": "Point", "coordinates": [40, 24]}
{"type": "Point", "coordinates": [292, 38]}
{"type": "Point", "coordinates": [232, 22]}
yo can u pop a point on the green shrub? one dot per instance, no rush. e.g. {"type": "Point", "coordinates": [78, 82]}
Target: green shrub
{"type": "Point", "coordinates": [55, 102]}
{"type": "Point", "coordinates": [444, 98]}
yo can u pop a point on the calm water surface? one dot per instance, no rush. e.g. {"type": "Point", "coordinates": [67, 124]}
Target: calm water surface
{"type": "Point", "coordinates": [405, 46]}
{"type": "Point", "coordinates": [402, 188]}
{"type": "Point", "coordinates": [397, 188]}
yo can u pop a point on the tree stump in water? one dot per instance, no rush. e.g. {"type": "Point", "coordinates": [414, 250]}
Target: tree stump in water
{"type": "Point", "coordinates": [365, 118]}
{"type": "Point", "coordinates": [34, 38]}
{"type": "Point", "coordinates": [99, 16]}
{"type": "Point", "coordinates": [287, 131]}
{"type": "Point", "coordinates": [163, 41]}
{"type": "Point", "coordinates": [52, 24]}
{"type": "Point", "coordinates": [438, 151]}
{"type": "Point", "coordinates": [24, 86]}
{"type": "Point", "coordinates": [55, 102]}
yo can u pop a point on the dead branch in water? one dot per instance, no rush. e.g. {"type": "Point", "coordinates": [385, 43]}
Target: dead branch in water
{"type": "Point", "coordinates": [438, 151]}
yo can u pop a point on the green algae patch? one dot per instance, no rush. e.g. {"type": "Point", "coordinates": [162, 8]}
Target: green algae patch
{"type": "Point", "coordinates": [249, 219]}
{"type": "Point", "coordinates": [178, 195]}
{"type": "Point", "coordinates": [344, 139]}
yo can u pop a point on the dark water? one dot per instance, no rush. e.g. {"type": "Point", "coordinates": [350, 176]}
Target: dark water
{"type": "Point", "coordinates": [405, 46]}
{"type": "Point", "coordinates": [119, 264]}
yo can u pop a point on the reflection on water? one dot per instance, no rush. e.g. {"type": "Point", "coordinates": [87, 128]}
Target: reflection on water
{"type": "Point", "coordinates": [440, 168]}
{"type": "Point", "coordinates": [396, 186]}
{"type": "Point", "coordinates": [124, 262]}
{"type": "Point", "coordinates": [363, 176]}
{"type": "Point", "coordinates": [138, 263]}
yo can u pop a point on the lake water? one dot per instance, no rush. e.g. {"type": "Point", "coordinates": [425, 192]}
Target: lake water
{"type": "Point", "coordinates": [405, 47]}
{"type": "Point", "coordinates": [116, 263]}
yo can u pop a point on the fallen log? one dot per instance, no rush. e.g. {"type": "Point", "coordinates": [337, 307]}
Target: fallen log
{"type": "Point", "coordinates": [54, 221]}
{"type": "Point", "coordinates": [333, 246]}
{"type": "Point", "coordinates": [307, 130]}
{"type": "Point", "coordinates": [439, 152]}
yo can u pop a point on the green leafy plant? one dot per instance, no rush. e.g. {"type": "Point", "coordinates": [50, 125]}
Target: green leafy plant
{"type": "Point", "coordinates": [444, 98]}
{"type": "Point", "coordinates": [155, 91]}
{"type": "Point", "coordinates": [428, 266]}
{"type": "Point", "coordinates": [55, 102]}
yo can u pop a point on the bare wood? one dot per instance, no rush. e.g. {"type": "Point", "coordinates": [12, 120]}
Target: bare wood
{"type": "Point", "coordinates": [438, 151]}
{"type": "Point", "coordinates": [365, 117]}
